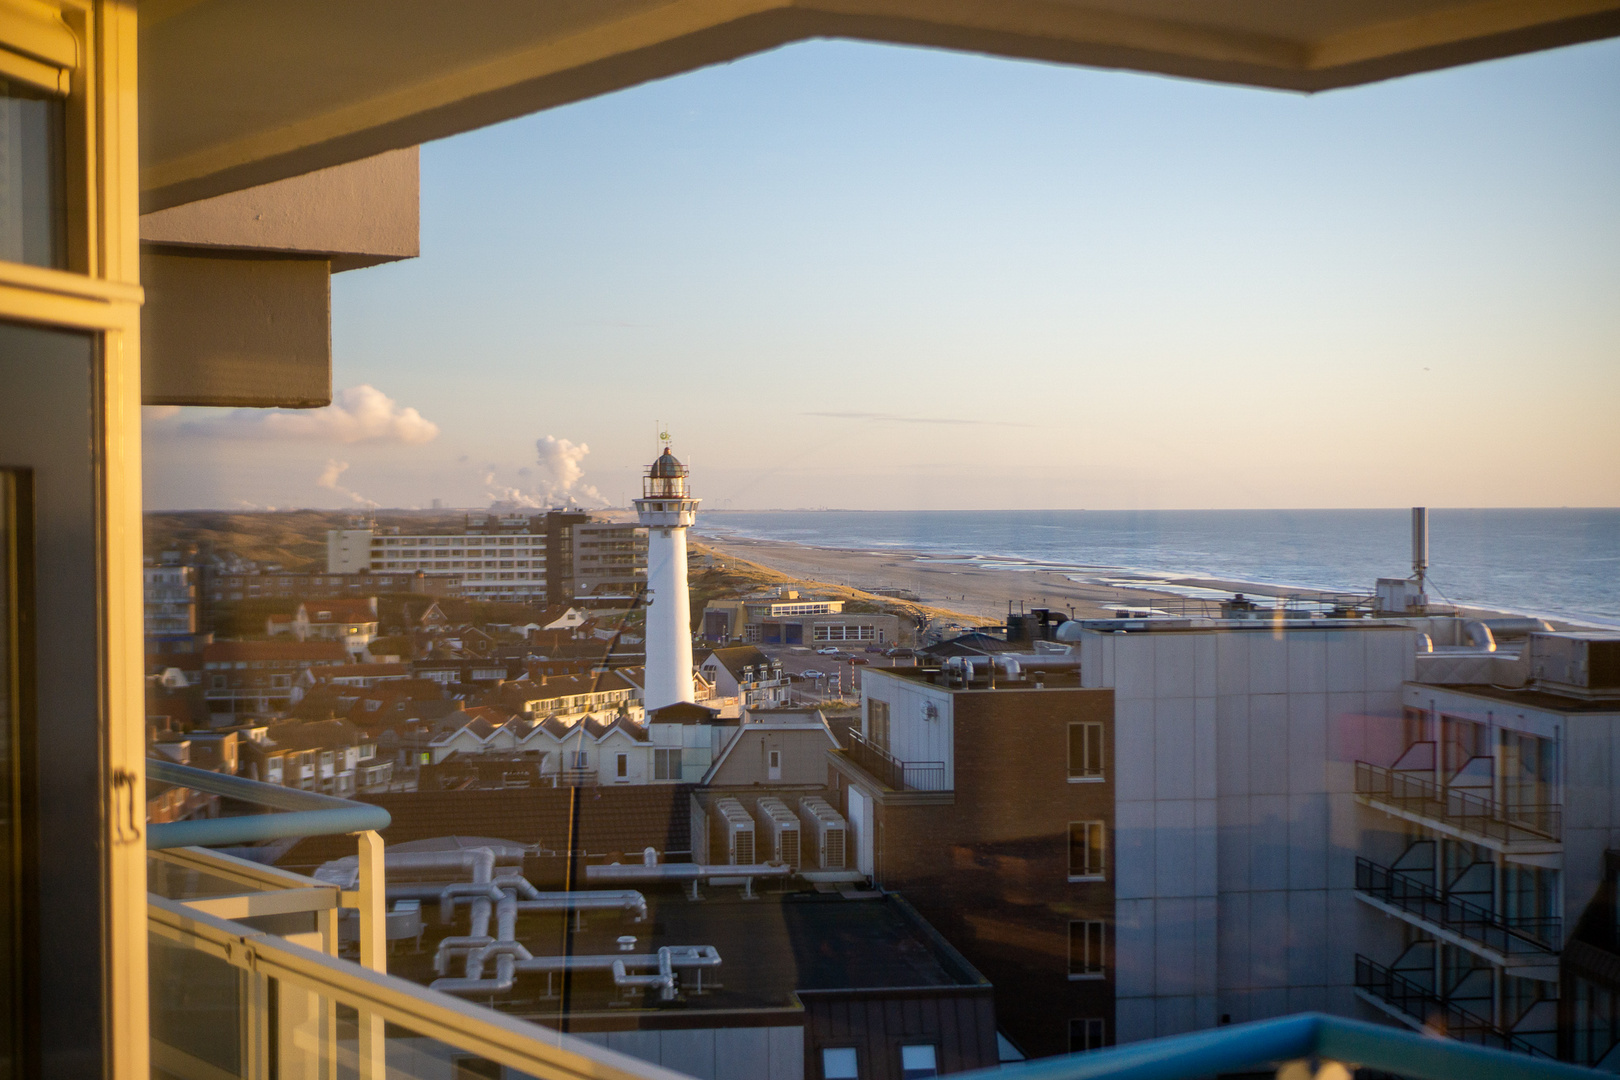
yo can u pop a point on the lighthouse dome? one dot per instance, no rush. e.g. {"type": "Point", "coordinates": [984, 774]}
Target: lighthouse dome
{"type": "Point", "coordinates": [667, 467]}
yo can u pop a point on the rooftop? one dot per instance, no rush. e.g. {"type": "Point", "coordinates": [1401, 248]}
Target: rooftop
{"type": "Point", "coordinates": [771, 948]}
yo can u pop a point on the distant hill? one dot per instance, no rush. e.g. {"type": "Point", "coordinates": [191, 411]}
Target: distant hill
{"type": "Point", "coordinates": [296, 539]}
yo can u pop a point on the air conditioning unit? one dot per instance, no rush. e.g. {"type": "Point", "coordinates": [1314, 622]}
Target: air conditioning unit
{"type": "Point", "coordinates": [1579, 665]}
{"type": "Point", "coordinates": [827, 826]}
{"type": "Point", "coordinates": [739, 832]}
{"type": "Point", "coordinates": [782, 826]}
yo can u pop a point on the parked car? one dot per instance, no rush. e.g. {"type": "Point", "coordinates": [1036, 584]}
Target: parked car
{"type": "Point", "coordinates": [827, 651]}
{"type": "Point", "coordinates": [873, 649]}
{"type": "Point", "coordinates": [859, 660]}
{"type": "Point", "coordinates": [811, 673]}
{"type": "Point", "coordinates": [902, 653]}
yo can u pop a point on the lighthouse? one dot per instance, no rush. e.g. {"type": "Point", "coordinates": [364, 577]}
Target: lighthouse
{"type": "Point", "coordinates": [667, 509]}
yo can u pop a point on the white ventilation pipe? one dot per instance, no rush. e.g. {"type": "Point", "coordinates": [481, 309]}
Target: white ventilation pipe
{"type": "Point", "coordinates": [1479, 635]}
{"type": "Point", "coordinates": [622, 872]}
{"type": "Point", "coordinates": [508, 961]}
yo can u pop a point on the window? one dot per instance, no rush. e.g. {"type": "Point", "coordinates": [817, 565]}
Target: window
{"type": "Point", "coordinates": [1085, 751]}
{"type": "Point", "coordinates": [1087, 846]}
{"type": "Point", "coordinates": [839, 1063]}
{"type": "Point", "coordinates": [622, 767]}
{"type": "Point", "coordinates": [877, 730]}
{"type": "Point", "coordinates": [1086, 949]}
{"type": "Point", "coordinates": [1085, 1034]}
{"type": "Point", "coordinates": [918, 1062]}
{"type": "Point", "coordinates": [666, 764]}
{"type": "Point", "coordinates": [33, 196]}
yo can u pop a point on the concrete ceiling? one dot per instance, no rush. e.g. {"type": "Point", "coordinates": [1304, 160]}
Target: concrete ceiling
{"type": "Point", "coordinates": [236, 93]}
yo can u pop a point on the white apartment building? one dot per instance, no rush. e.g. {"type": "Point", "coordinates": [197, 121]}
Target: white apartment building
{"type": "Point", "coordinates": [1300, 824]}
{"type": "Point", "coordinates": [489, 566]}
{"type": "Point", "coordinates": [171, 600]}
{"type": "Point", "coordinates": [513, 557]}
{"type": "Point", "coordinates": [1236, 821]}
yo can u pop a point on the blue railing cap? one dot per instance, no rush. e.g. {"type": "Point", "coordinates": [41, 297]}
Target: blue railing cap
{"type": "Point", "coordinates": [303, 813]}
{"type": "Point", "coordinates": [1265, 1044]}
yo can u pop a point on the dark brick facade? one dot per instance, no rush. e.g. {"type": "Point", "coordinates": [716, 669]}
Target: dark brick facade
{"type": "Point", "coordinates": [988, 863]}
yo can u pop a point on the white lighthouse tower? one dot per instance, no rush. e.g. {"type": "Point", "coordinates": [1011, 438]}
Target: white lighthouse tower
{"type": "Point", "coordinates": [667, 510]}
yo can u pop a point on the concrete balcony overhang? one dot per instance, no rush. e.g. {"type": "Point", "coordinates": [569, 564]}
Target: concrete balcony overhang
{"type": "Point", "coordinates": [1539, 965]}
{"type": "Point", "coordinates": [1528, 845]}
{"type": "Point", "coordinates": [881, 793]}
{"type": "Point", "coordinates": [237, 93]}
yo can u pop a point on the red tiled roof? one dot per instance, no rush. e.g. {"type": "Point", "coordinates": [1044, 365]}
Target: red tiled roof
{"type": "Point", "coordinates": [340, 610]}
{"type": "Point", "coordinates": [275, 650]}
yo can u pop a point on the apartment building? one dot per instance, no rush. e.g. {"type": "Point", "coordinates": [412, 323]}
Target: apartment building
{"type": "Point", "coordinates": [260, 677]}
{"type": "Point", "coordinates": [556, 558]}
{"type": "Point", "coordinates": [985, 796]}
{"type": "Point", "coordinates": [170, 600]}
{"type": "Point", "coordinates": [1489, 819]}
{"type": "Point", "coordinates": [609, 564]}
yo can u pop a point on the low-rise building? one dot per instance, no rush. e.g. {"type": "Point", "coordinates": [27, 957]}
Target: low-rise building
{"type": "Point", "coordinates": [351, 622]}
{"type": "Point", "coordinates": [792, 620]}
{"type": "Point", "coordinates": [747, 674]}
{"type": "Point", "coordinates": [242, 678]}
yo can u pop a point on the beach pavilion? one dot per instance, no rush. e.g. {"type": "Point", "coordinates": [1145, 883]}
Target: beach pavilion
{"type": "Point", "coordinates": [183, 177]}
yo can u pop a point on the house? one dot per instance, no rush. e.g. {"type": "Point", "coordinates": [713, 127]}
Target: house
{"type": "Point", "coordinates": [260, 677]}
{"type": "Point", "coordinates": [774, 747]}
{"type": "Point", "coordinates": [745, 673]}
{"type": "Point", "coordinates": [349, 621]}
{"type": "Point", "coordinates": [328, 756]}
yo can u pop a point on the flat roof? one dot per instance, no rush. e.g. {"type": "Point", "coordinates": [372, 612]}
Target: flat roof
{"type": "Point", "coordinates": [1531, 697]}
{"type": "Point", "coordinates": [770, 947]}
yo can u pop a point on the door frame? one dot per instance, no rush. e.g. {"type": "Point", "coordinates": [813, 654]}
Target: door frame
{"type": "Point", "coordinates": [100, 293]}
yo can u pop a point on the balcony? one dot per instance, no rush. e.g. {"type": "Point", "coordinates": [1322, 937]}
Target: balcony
{"type": "Point", "coordinates": [1458, 812]}
{"type": "Point", "coordinates": [890, 771]}
{"type": "Point", "coordinates": [1513, 943]}
{"type": "Point", "coordinates": [1419, 1007]}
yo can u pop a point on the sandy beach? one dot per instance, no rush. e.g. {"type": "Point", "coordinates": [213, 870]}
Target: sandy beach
{"type": "Point", "coordinates": [981, 589]}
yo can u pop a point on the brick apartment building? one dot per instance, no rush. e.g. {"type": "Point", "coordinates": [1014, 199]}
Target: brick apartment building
{"type": "Point", "coordinates": [985, 800]}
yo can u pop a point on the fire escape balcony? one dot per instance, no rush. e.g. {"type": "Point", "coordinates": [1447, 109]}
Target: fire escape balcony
{"type": "Point", "coordinates": [1459, 812]}
{"type": "Point", "coordinates": [889, 771]}
{"type": "Point", "coordinates": [1514, 943]}
{"type": "Point", "coordinates": [1421, 1008]}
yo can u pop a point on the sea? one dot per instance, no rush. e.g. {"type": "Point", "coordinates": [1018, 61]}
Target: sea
{"type": "Point", "coordinates": [1552, 563]}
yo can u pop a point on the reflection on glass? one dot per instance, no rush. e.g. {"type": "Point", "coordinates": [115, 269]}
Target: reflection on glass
{"type": "Point", "coordinates": [9, 677]}
{"type": "Point", "coordinates": [33, 202]}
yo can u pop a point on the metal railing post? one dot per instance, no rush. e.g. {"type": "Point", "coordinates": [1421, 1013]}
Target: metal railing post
{"type": "Point", "coordinates": [373, 901]}
{"type": "Point", "coordinates": [373, 905]}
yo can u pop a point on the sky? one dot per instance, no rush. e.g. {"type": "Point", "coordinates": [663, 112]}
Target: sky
{"type": "Point", "coordinates": [871, 277]}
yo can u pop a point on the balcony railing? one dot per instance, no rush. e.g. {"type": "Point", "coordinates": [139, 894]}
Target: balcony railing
{"type": "Point", "coordinates": [1423, 1005]}
{"type": "Point", "coordinates": [1508, 937]}
{"type": "Point", "coordinates": [1462, 809]}
{"type": "Point", "coordinates": [890, 771]}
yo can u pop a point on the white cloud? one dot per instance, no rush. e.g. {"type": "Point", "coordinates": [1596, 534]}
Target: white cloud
{"type": "Point", "coordinates": [358, 414]}
{"type": "Point", "coordinates": [561, 470]}
{"type": "Point", "coordinates": [557, 479]}
{"type": "Point", "coordinates": [329, 480]}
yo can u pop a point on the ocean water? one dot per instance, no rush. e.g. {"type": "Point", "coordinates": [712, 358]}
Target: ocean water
{"type": "Point", "coordinates": [1558, 563]}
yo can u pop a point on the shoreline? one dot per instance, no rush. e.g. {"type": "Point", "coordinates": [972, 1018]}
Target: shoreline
{"type": "Point", "coordinates": [981, 587]}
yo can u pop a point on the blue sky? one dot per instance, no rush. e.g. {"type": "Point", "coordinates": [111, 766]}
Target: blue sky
{"type": "Point", "coordinates": [862, 276]}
